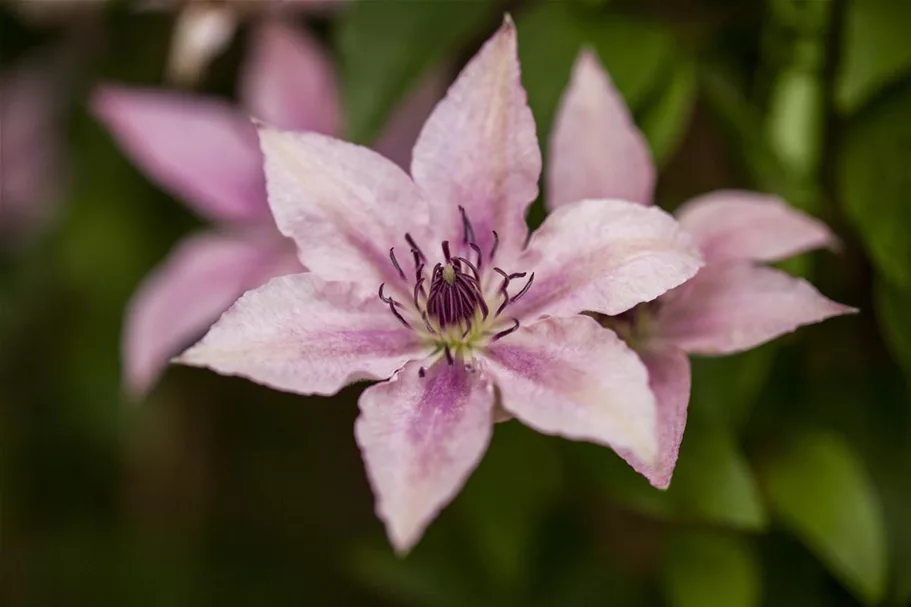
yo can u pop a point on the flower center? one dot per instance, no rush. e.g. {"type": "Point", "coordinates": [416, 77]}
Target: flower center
{"type": "Point", "coordinates": [453, 310]}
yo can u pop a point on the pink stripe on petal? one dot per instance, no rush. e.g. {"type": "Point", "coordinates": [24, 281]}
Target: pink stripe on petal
{"type": "Point", "coordinates": [300, 334]}
{"type": "Point", "coordinates": [734, 307]}
{"type": "Point", "coordinates": [479, 149]}
{"type": "Point", "coordinates": [596, 150]}
{"type": "Point", "coordinates": [288, 81]}
{"type": "Point", "coordinates": [202, 150]}
{"type": "Point", "coordinates": [733, 225]}
{"type": "Point", "coordinates": [202, 277]}
{"type": "Point", "coordinates": [574, 378]}
{"type": "Point", "coordinates": [669, 379]}
{"type": "Point", "coordinates": [420, 438]}
{"type": "Point", "coordinates": [344, 205]}
{"type": "Point", "coordinates": [604, 256]}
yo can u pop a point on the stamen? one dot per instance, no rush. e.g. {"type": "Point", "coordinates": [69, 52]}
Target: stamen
{"type": "Point", "coordinates": [422, 372]}
{"type": "Point", "coordinates": [477, 250]}
{"type": "Point", "coordinates": [427, 323]}
{"type": "Point", "coordinates": [524, 289]}
{"type": "Point", "coordinates": [496, 243]}
{"type": "Point", "coordinates": [449, 357]}
{"type": "Point", "coordinates": [446, 251]}
{"type": "Point", "coordinates": [467, 228]}
{"type": "Point", "coordinates": [474, 270]}
{"type": "Point", "coordinates": [414, 246]}
{"type": "Point", "coordinates": [503, 334]}
{"type": "Point", "coordinates": [395, 262]}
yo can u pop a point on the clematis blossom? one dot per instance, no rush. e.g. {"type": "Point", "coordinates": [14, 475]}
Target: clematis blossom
{"type": "Point", "coordinates": [205, 152]}
{"type": "Point", "coordinates": [733, 304]}
{"type": "Point", "coordinates": [426, 281]}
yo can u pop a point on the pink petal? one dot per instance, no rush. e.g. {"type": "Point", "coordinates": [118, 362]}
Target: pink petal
{"type": "Point", "coordinates": [479, 149]}
{"type": "Point", "coordinates": [202, 150]}
{"type": "Point", "coordinates": [574, 378]}
{"type": "Point", "coordinates": [669, 378]}
{"type": "Point", "coordinates": [300, 334]}
{"type": "Point", "coordinates": [734, 307]}
{"type": "Point", "coordinates": [30, 147]}
{"type": "Point", "coordinates": [733, 225]}
{"type": "Point", "coordinates": [604, 256]}
{"type": "Point", "coordinates": [202, 277]}
{"type": "Point", "coordinates": [344, 205]}
{"type": "Point", "coordinates": [202, 31]}
{"type": "Point", "coordinates": [420, 439]}
{"type": "Point", "coordinates": [404, 125]}
{"type": "Point", "coordinates": [289, 82]}
{"type": "Point", "coordinates": [596, 150]}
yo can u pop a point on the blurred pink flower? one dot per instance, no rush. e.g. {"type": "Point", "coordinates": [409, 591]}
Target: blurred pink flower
{"type": "Point", "coordinates": [205, 152]}
{"type": "Point", "coordinates": [31, 167]}
{"type": "Point", "coordinates": [205, 27]}
{"type": "Point", "coordinates": [733, 304]}
{"type": "Point", "coordinates": [463, 323]}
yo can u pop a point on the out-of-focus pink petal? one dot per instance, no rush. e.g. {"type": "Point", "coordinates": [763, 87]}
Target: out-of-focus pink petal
{"type": "Point", "coordinates": [479, 150]}
{"type": "Point", "coordinates": [344, 205]}
{"type": "Point", "coordinates": [301, 334]}
{"type": "Point", "coordinates": [202, 31]}
{"type": "Point", "coordinates": [596, 150]}
{"type": "Point", "coordinates": [733, 225]}
{"type": "Point", "coordinates": [669, 378]}
{"type": "Point", "coordinates": [574, 378]}
{"type": "Point", "coordinates": [202, 150]}
{"type": "Point", "coordinates": [420, 438]}
{"type": "Point", "coordinates": [405, 123]}
{"type": "Point", "coordinates": [604, 256]}
{"type": "Point", "coordinates": [734, 307]}
{"type": "Point", "coordinates": [289, 82]}
{"type": "Point", "coordinates": [202, 277]}
{"type": "Point", "coordinates": [30, 154]}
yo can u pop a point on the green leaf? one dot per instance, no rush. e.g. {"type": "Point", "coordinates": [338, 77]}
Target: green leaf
{"type": "Point", "coordinates": [665, 122]}
{"type": "Point", "coordinates": [712, 570]}
{"type": "Point", "coordinates": [726, 388]}
{"type": "Point", "coordinates": [819, 489]}
{"type": "Point", "coordinates": [893, 309]}
{"type": "Point", "coordinates": [505, 499]}
{"type": "Point", "coordinates": [875, 50]}
{"type": "Point", "coordinates": [742, 122]}
{"type": "Point", "coordinates": [712, 482]}
{"type": "Point", "coordinates": [876, 184]}
{"type": "Point", "coordinates": [636, 53]}
{"type": "Point", "coordinates": [387, 45]}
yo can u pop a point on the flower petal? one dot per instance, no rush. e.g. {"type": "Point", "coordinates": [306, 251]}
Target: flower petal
{"type": "Point", "coordinates": [669, 378]}
{"type": "Point", "coordinates": [289, 82]}
{"type": "Point", "coordinates": [344, 205]}
{"type": "Point", "coordinates": [479, 150]}
{"type": "Point", "coordinates": [202, 277]}
{"type": "Point", "coordinates": [404, 125]}
{"type": "Point", "coordinates": [596, 150]}
{"type": "Point", "coordinates": [300, 334]}
{"type": "Point", "coordinates": [732, 225]}
{"type": "Point", "coordinates": [604, 256]}
{"type": "Point", "coordinates": [420, 438]}
{"type": "Point", "coordinates": [734, 307]}
{"type": "Point", "coordinates": [31, 159]}
{"type": "Point", "coordinates": [202, 150]}
{"type": "Point", "coordinates": [202, 31]}
{"type": "Point", "coordinates": [572, 377]}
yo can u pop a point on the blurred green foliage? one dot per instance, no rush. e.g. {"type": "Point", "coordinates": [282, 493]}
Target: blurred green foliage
{"type": "Point", "coordinates": [794, 480]}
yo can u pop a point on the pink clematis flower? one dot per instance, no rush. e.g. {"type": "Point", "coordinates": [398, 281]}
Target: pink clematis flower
{"type": "Point", "coordinates": [205, 151]}
{"type": "Point", "coordinates": [427, 280]}
{"type": "Point", "coordinates": [733, 304]}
